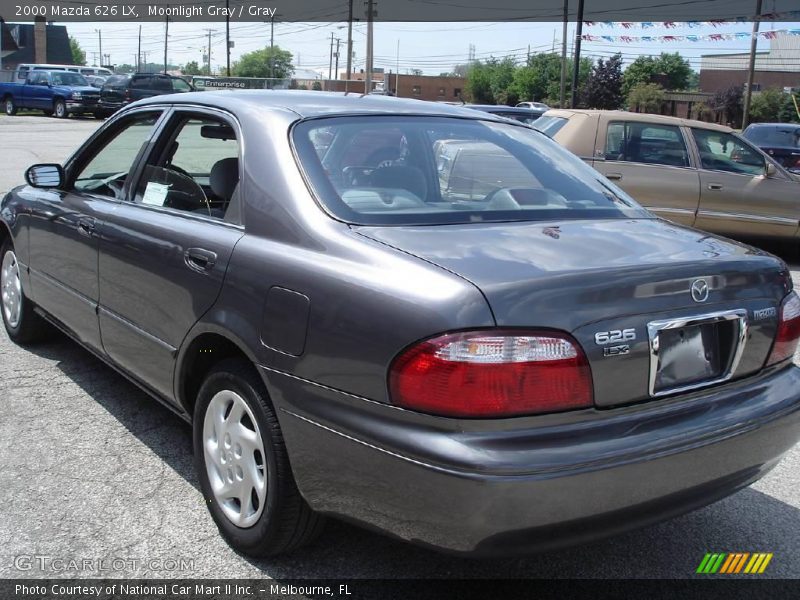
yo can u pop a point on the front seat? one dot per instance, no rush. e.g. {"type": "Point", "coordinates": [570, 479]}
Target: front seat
{"type": "Point", "coordinates": [401, 177]}
{"type": "Point", "coordinates": [224, 179]}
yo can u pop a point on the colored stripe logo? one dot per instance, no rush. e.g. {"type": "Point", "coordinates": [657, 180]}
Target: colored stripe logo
{"type": "Point", "coordinates": [733, 563]}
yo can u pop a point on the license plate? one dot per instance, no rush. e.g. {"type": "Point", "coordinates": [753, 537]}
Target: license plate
{"type": "Point", "coordinates": [694, 352]}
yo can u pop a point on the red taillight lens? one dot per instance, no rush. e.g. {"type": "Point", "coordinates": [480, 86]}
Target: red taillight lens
{"type": "Point", "coordinates": [788, 330]}
{"type": "Point", "coordinates": [492, 374]}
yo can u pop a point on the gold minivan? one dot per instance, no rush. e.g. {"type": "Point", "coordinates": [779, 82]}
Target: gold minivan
{"type": "Point", "coordinates": [690, 172]}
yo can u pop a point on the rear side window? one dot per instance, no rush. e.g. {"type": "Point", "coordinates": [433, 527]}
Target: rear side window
{"type": "Point", "coordinates": [646, 143]}
{"type": "Point", "coordinates": [161, 84]}
{"type": "Point", "coordinates": [550, 125]}
{"type": "Point", "coordinates": [141, 83]}
{"type": "Point", "coordinates": [436, 170]}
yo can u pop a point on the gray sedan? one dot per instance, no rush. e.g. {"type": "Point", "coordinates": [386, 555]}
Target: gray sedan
{"type": "Point", "coordinates": [421, 318]}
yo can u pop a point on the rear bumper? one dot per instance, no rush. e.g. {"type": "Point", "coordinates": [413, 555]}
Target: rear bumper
{"type": "Point", "coordinates": [518, 485]}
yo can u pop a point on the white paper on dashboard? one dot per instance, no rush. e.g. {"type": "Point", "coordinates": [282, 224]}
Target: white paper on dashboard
{"type": "Point", "coordinates": [155, 194]}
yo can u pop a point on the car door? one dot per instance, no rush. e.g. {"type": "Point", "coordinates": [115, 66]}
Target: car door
{"type": "Point", "coordinates": [737, 196]}
{"type": "Point", "coordinates": [37, 93]}
{"type": "Point", "coordinates": [165, 250]}
{"type": "Point", "coordinates": [65, 224]}
{"type": "Point", "coordinates": [140, 87]}
{"type": "Point", "coordinates": [651, 162]}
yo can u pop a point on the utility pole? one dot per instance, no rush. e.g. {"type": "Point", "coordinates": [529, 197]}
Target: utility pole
{"type": "Point", "coordinates": [751, 67]}
{"type": "Point", "coordinates": [272, 48]}
{"type": "Point", "coordinates": [397, 73]}
{"type": "Point", "coordinates": [208, 56]}
{"type": "Point", "coordinates": [139, 52]}
{"type": "Point", "coordinates": [166, 36]}
{"type": "Point", "coordinates": [227, 39]}
{"type": "Point", "coordinates": [577, 59]}
{"type": "Point", "coordinates": [100, 43]}
{"type": "Point", "coordinates": [330, 61]}
{"type": "Point", "coordinates": [350, 41]}
{"type": "Point", "coordinates": [2, 24]}
{"type": "Point", "coordinates": [563, 89]}
{"type": "Point", "coordinates": [336, 68]}
{"type": "Point", "coordinates": [368, 75]}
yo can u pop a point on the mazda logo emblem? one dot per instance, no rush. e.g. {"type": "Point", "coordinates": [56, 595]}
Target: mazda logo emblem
{"type": "Point", "coordinates": [699, 290]}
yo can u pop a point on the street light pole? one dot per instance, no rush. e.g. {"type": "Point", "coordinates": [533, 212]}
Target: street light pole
{"type": "Point", "coordinates": [368, 76]}
{"type": "Point", "coordinates": [336, 68]}
{"type": "Point", "coordinates": [350, 41]}
{"type": "Point", "coordinates": [227, 38]}
{"type": "Point", "coordinates": [577, 60]}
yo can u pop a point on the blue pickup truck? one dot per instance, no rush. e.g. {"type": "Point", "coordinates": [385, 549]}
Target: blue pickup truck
{"type": "Point", "coordinates": [57, 93]}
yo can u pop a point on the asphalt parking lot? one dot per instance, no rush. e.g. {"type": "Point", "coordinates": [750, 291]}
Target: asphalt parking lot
{"type": "Point", "coordinates": [92, 468]}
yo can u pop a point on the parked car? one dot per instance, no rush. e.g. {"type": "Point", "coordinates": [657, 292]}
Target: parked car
{"type": "Point", "coordinates": [523, 115]}
{"type": "Point", "coordinates": [780, 140]}
{"type": "Point", "coordinates": [537, 105]}
{"type": "Point", "coordinates": [690, 172]}
{"type": "Point", "coordinates": [57, 93]}
{"type": "Point", "coordinates": [121, 90]}
{"type": "Point", "coordinates": [480, 370]}
{"type": "Point", "coordinates": [96, 81]}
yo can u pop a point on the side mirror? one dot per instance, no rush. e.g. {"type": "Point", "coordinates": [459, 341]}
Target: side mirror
{"type": "Point", "coordinates": [45, 176]}
{"type": "Point", "coordinates": [771, 171]}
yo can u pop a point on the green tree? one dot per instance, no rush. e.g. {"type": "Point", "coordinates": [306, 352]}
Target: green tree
{"type": "Point", "coordinates": [478, 88]}
{"type": "Point", "coordinates": [532, 81]}
{"type": "Point", "coordinates": [603, 87]}
{"type": "Point", "coordinates": [78, 55]}
{"type": "Point", "coordinates": [670, 70]}
{"type": "Point", "coordinates": [258, 63]}
{"type": "Point", "coordinates": [766, 106]}
{"type": "Point", "coordinates": [191, 68]}
{"type": "Point", "coordinates": [645, 97]}
{"type": "Point", "coordinates": [316, 86]}
{"type": "Point", "coordinates": [502, 76]}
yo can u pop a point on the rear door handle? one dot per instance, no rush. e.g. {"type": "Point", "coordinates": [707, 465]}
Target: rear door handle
{"type": "Point", "coordinates": [200, 259]}
{"type": "Point", "coordinates": [86, 226]}
{"type": "Point", "coordinates": [715, 186]}
{"type": "Point", "coordinates": [614, 176]}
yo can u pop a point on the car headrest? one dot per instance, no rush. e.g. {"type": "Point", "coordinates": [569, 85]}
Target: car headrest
{"type": "Point", "coordinates": [224, 178]}
{"type": "Point", "coordinates": [401, 177]}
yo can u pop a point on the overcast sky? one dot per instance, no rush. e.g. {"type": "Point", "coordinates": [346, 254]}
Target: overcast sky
{"type": "Point", "coordinates": [432, 47]}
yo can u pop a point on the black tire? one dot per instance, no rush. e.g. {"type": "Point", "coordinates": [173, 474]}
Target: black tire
{"type": "Point", "coordinates": [60, 109]}
{"type": "Point", "coordinates": [286, 522]}
{"type": "Point", "coordinates": [29, 327]}
{"type": "Point", "coordinates": [9, 106]}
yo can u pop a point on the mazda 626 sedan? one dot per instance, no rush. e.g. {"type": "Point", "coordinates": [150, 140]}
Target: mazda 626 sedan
{"type": "Point", "coordinates": [421, 318]}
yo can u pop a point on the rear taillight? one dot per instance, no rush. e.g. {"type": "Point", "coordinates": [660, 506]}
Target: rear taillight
{"type": "Point", "coordinates": [788, 330]}
{"type": "Point", "coordinates": [492, 374]}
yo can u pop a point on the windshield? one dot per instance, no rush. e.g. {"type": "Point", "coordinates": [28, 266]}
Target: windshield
{"type": "Point", "coordinates": [67, 78]}
{"type": "Point", "coordinates": [787, 136]}
{"type": "Point", "coordinates": [376, 170]}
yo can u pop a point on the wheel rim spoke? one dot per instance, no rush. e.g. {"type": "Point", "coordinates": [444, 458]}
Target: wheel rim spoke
{"type": "Point", "coordinates": [235, 458]}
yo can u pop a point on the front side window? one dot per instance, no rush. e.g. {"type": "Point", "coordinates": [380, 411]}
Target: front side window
{"type": "Point", "coordinates": [646, 143]}
{"type": "Point", "coordinates": [179, 85]}
{"type": "Point", "coordinates": [196, 169]}
{"type": "Point", "coordinates": [438, 170]}
{"type": "Point", "coordinates": [105, 173]}
{"type": "Point", "coordinates": [720, 151]}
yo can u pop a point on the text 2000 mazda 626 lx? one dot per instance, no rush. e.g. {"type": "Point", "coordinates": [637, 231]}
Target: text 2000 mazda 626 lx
{"type": "Point", "coordinates": [421, 318]}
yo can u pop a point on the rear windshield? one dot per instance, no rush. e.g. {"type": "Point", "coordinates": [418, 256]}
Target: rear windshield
{"type": "Point", "coordinates": [67, 78]}
{"type": "Point", "coordinates": [376, 170]}
{"type": "Point", "coordinates": [550, 125]}
{"type": "Point", "coordinates": [788, 137]}
{"type": "Point", "coordinates": [117, 81]}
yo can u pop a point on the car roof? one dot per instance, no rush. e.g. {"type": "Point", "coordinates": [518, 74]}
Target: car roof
{"type": "Point", "coordinates": [523, 110]}
{"type": "Point", "coordinates": [624, 115]}
{"type": "Point", "coordinates": [309, 104]}
{"type": "Point", "coordinates": [774, 125]}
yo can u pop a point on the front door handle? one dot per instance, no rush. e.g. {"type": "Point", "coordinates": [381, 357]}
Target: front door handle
{"type": "Point", "coordinates": [200, 259]}
{"type": "Point", "coordinates": [614, 176]}
{"type": "Point", "coordinates": [715, 186]}
{"type": "Point", "coordinates": [86, 226]}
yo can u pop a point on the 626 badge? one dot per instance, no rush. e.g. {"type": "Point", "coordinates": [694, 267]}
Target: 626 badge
{"type": "Point", "coordinates": [601, 338]}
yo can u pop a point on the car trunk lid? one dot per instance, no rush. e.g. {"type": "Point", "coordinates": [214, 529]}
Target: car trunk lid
{"type": "Point", "coordinates": [612, 277]}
